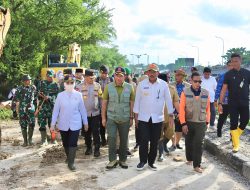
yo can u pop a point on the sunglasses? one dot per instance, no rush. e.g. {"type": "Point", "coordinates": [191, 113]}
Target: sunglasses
{"type": "Point", "coordinates": [197, 81]}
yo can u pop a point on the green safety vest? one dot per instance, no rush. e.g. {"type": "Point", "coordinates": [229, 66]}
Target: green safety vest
{"type": "Point", "coordinates": [119, 107]}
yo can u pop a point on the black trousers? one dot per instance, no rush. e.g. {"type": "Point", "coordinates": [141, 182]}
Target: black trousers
{"type": "Point", "coordinates": [94, 130]}
{"type": "Point", "coordinates": [237, 111]}
{"type": "Point", "coordinates": [70, 138]}
{"type": "Point", "coordinates": [149, 132]}
{"type": "Point", "coordinates": [102, 131]}
{"type": "Point", "coordinates": [213, 113]}
{"type": "Point", "coordinates": [137, 136]}
{"type": "Point", "coordinates": [194, 141]}
{"type": "Point", "coordinates": [223, 117]}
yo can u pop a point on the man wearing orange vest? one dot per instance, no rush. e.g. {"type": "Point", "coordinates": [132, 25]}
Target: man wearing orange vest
{"type": "Point", "coordinates": [194, 118]}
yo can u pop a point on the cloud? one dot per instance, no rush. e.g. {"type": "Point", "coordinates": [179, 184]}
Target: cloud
{"type": "Point", "coordinates": [221, 16]}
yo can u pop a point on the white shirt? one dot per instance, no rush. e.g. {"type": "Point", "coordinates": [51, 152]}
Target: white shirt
{"type": "Point", "coordinates": [150, 100]}
{"type": "Point", "coordinates": [12, 93]}
{"type": "Point", "coordinates": [70, 111]}
{"type": "Point", "coordinates": [210, 85]}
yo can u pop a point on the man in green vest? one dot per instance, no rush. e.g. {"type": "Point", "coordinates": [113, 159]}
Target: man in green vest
{"type": "Point", "coordinates": [117, 114]}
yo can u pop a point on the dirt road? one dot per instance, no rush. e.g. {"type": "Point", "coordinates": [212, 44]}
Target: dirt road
{"type": "Point", "coordinates": [44, 168]}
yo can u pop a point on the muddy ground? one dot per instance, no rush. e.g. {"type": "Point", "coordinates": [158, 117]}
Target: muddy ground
{"type": "Point", "coordinates": [44, 168]}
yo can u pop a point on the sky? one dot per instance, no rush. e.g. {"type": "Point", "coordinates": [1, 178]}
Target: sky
{"type": "Point", "coordinates": [166, 30]}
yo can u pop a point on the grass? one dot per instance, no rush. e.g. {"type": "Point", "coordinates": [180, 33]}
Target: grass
{"type": "Point", "coordinates": [5, 113]}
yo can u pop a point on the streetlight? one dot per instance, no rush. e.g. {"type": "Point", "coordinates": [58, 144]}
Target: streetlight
{"type": "Point", "coordinates": [198, 54]}
{"type": "Point", "coordinates": [222, 48]}
{"type": "Point", "coordinates": [139, 55]}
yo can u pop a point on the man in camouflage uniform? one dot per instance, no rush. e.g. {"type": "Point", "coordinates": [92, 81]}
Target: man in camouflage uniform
{"type": "Point", "coordinates": [47, 93]}
{"type": "Point", "coordinates": [24, 97]}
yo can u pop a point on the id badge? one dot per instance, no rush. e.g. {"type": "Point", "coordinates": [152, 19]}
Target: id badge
{"type": "Point", "coordinates": [242, 83]}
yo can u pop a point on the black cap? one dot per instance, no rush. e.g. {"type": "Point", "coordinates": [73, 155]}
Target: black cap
{"type": "Point", "coordinates": [120, 70]}
{"type": "Point", "coordinates": [26, 77]}
{"type": "Point", "coordinates": [67, 72]}
{"type": "Point", "coordinates": [194, 69]}
{"type": "Point", "coordinates": [206, 70]}
{"type": "Point", "coordinates": [104, 69]}
{"type": "Point", "coordinates": [79, 70]}
{"type": "Point", "coordinates": [89, 72]}
{"type": "Point", "coordinates": [69, 78]}
{"type": "Point", "coordinates": [163, 76]}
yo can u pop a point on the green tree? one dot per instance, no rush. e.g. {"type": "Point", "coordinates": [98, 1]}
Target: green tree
{"type": "Point", "coordinates": [40, 27]}
{"type": "Point", "coordinates": [242, 51]}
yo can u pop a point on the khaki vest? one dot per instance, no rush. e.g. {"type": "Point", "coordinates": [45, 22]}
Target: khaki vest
{"type": "Point", "coordinates": [85, 95]}
{"type": "Point", "coordinates": [196, 108]}
{"type": "Point", "coordinates": [119, 107]}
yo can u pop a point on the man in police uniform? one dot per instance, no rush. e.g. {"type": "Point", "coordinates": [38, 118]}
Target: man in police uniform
{"type": "Point", "coordinates": [117, 114]}
{"type": "Point", "coordinates": [92, 93]}
{"type": "Point", "coordinates": [24, 97]}
{"type": "Point", "coordinates": [47, 93]}
{"type": "Point", "coordinates": [103, 80]}
{"type": "Point", "coordinates": [79, 77]}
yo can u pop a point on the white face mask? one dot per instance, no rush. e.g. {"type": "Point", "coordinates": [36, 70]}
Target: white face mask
{"type": "Point", "coordinates": [69, 87]}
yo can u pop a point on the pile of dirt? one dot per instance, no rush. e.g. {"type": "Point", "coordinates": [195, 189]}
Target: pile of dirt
{"type": "Point", "coordinates": [16, 142]}
{"type": "Point", "coordinates": [53, 155]}
{"type": "Point", "coordinates": [4, 155]}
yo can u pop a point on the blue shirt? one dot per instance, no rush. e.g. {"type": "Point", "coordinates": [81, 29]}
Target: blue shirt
{"type": "Point", "coordinates": [218, 89]}
{"type": "Point", "coordinates": [69, 111]}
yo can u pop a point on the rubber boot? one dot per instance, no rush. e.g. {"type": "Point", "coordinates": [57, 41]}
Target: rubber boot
{"type": "Point", "coordinates": [66, 149]}
{"type": "Point", "coordinates": [71, 158]}
{"type": "Point", "coordinates": [240, 131]}
{"type": "Point", "coordinates": [25, 140]}
{"type": "Point", "coordinates": [43, 138]}
{"type": "Point", "coordinates": [235, 140]}
{"type": "Point", "coordinates": [30, 133]}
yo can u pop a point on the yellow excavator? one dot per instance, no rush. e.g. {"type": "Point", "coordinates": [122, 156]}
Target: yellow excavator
{"type": "Point", "coordinates": [5, 21]}
{"type": "Point", "coordinates": [58, 63]}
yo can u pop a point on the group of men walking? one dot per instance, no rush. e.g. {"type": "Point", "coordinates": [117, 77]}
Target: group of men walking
{"type": "Point", "coordinates": [160, 109]}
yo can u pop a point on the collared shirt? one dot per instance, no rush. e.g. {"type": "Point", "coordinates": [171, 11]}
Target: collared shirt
{"type": "Point", "coordinates": [210, 85]}
{"type": "Point", "coordinates": [150, 100]}
{"type": "Point", "coordinates": [119, 91]}
{"type": "Point", "coordinates": [70, 111]}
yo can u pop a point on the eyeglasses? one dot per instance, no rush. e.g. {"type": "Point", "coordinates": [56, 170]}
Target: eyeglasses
{"type": "Point", "coordinates": [197, 81]}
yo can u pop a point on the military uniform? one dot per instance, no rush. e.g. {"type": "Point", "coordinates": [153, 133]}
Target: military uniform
{"type": "Point", "coordinates": [92, 94]}
{"type": "Point", "coordinates": [25, 95]}
{"type": "Point", "coordinates": [50, 90]}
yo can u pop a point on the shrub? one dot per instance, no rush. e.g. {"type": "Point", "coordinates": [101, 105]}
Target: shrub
{"type": "Point", "coordinates": [5, 113]}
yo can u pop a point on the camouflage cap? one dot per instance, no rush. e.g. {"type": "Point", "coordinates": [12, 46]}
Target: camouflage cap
{"type": "Point", "coordinates": [128, 71]}
{"type": "Point", "coordinates": [26, 77]}
{"type": "Point", "coordinates": [50, 73]}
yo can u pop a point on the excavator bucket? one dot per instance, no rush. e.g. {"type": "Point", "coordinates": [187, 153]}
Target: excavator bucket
{"type": "Point", "coordinates": [5, 21]}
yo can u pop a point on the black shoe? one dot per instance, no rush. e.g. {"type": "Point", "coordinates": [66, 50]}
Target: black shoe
{"type": "Point", "coordinates": [218, 133]}
{"type": "Point", "coordinates": [178, 146]}
{"type": "Point", "coordinates": [129, 153]}
{"type": "Point", "coordinates": [136, 147]}
{"type": "Point", "coordinates": [88, 151]}
{"type": "Point", "coordinates": [152, 167]}
{"type": "Point", "coordinates": [97, 153]}
{"type": "Point", "coordinates": [104, 142]}
{"type": "Point", "coordinates": [140, 166]}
